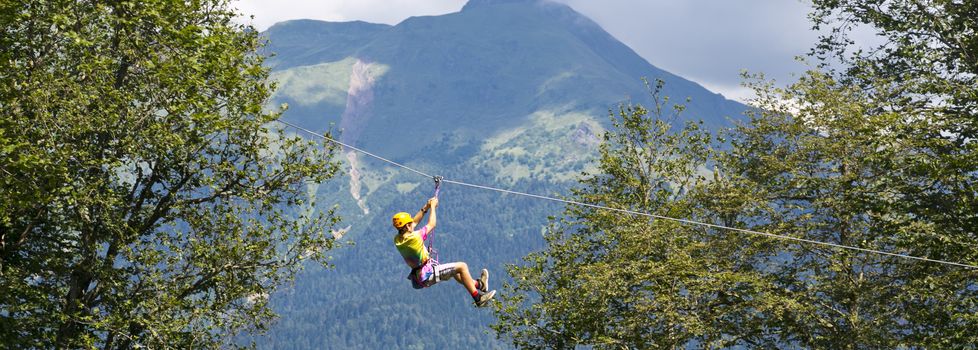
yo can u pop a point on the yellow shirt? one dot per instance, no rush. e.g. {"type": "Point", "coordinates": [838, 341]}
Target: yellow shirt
{"type": "Point", "coordinates": [411, 246]}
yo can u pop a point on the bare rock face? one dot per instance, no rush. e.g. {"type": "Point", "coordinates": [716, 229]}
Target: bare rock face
{"type": "Point", "coordinates": [360, 96]}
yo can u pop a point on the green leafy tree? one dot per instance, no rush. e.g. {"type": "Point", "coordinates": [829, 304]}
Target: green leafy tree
{"type": "Point", "coordinates": [927, 56]}
{"type": "Point", "coordinates": [813, 162]}
{"type": "Point", "coordinates": [611, 280]}
{"type": "Point", "coordinates": [919, 96]}
{"type": "Point", "coordinates": [145, 200]}
{"type": "Point", "coordinates": [822, 162]}
{"type": "Point", "coordinates": [926, 70]}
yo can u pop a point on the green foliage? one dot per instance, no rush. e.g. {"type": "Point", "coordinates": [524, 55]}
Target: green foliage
{"type": "Point", "coordinates": [614, 281]}
{"type": "Point", "coordinates": [825, 163]}
{"type": "Point", "coordinates": [926, 69]}
{"type": "Point", "coordinates": [928, 58]}
{"type": "Point", "coordinates": [145, 201]}
{"type": "Point", "coordinates": [818, 160]}
{"type": "Point", "coordinates": [924, 77]}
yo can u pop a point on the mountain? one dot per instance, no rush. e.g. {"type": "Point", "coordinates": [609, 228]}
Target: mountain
{"type": "Point", "coordinates": [481, 70]}
{"type": "Point", "coordinates": [505, 93]}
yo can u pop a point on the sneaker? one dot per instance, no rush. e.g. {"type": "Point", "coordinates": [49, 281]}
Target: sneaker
{"type": "Point", "coordinates": [484, 280]}
{"type": "Point", "coordinates": [484, 298]}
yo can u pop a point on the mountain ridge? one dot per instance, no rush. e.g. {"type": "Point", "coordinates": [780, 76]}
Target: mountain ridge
{"type": "Point", "coordinates": [450, 63]}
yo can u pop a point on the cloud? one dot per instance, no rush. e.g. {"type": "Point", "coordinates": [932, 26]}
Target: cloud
{"type": "Point", "coordinates": [710, 41]}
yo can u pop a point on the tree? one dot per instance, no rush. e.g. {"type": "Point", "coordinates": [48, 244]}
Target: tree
{"type": "Point", "coordinates": [823, 163]}
{"type": "Point", "coordinates": [925, 72]}
{"type": "Point", "coordinates": [612, 280]}
{"type": "Point", "coordinates": [927, 58]}
{"type": "Point", "coordinates": [925, 69]}
{"type": "Point", "coordinates": [146, 198]}
{"type": "Point", "coordinates": [811, 163]}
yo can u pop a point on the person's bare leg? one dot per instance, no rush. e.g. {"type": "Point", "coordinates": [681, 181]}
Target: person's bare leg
{"type": "Point", "coordinates": [464, 278]}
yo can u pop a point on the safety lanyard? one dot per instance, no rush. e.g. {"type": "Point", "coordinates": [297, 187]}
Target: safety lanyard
{"type": "Point", "coordinates": [433, 253]}
{"type": "Point", "coordinates": [431, 235]}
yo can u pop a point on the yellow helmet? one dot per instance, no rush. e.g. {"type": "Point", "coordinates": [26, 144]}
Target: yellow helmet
{"type": "Point", "coordinates": [401, 219]}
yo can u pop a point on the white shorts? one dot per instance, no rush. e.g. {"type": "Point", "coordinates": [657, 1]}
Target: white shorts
{"type": "Point", "coordinates": [444, 272]}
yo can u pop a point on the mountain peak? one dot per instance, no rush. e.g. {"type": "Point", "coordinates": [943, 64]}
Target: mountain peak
{"type": "Point", "coordinates": [483, 3]}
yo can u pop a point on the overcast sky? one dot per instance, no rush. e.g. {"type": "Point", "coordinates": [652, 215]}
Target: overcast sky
{"type": "Point", "coordinates": [706, 41]}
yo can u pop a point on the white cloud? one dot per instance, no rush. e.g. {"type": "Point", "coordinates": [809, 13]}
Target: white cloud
{"type": "Point", "coordinates": [710, 41]}
{"type": "Point", "coordinates": [734, 92]}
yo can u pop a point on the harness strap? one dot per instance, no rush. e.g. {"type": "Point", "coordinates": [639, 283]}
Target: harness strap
{"type": "Point", "coordinates": [438, 184]}
{"type": "Point", "coordinates": [434, 270]}
{"type": "Point", "coordinates": [431, 238]}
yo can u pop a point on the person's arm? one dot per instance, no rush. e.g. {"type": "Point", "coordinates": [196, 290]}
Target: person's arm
{"type": "Point", "coordinates": [420, 214]}
{"type": "Point", "coordinates": [432, 219]}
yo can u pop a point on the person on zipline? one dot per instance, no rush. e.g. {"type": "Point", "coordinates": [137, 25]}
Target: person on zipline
{"type": "Point", "coordinates": [425, 270]}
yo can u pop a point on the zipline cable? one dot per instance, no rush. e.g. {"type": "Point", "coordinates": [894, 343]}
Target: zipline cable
{"type": "Point", "coordinates": [632, 212]}
{"type": "Point", "coordinates": [355, 149]}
